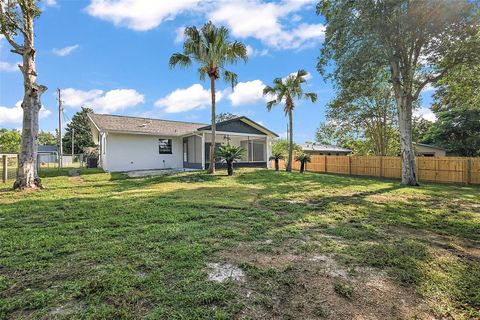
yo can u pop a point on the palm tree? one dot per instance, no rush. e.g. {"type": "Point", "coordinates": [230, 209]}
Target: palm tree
{"type": "Point", "coordinates": [230, 154]}
{"type": "Point", "coordinates": [277, 156]}
{"type": "Point", "coordinates": [211, 48]}
{"type": "Point", "coordinates": [286, 91]}
{"type": "Point", "coordinates": [303, 158]}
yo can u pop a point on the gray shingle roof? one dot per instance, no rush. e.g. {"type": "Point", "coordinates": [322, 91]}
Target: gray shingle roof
{"type": "Point", "coordinates": [324, 148]}
{"type": "Point", "coordinates": [428, 146]}
{"type": "Point", "coordinates": [113, 123]}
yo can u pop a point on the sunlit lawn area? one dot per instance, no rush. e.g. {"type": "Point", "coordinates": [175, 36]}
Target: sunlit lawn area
{"type": "Point", "coordinates": [101, 246]}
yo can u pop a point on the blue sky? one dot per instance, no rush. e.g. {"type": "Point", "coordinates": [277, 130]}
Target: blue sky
{"type": "Point", "coordinates": [112, 56]}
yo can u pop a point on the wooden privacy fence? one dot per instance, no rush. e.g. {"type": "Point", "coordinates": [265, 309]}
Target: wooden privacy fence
{"type": "Point", "coordinates": [8, 166]}
{"type": "Point", "coordinates": [436, 169]}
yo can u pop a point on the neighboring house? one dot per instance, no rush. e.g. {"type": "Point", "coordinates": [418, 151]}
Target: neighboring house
{"type": "Point", "coordinates": [133, 143]}
{"type": "Point", "coordinates": [324, 149]}
{"type": "Point", "coordinates": [427, 150]}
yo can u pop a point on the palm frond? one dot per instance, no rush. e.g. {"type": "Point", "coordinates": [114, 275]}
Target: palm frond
{"type": "Point", "coordinates": [230, 77]}
{"type": "Point", "coordinates": [312, 96]}
{"type": "Point", "coordinates": [210, 46]}
{"type": "Point", "coordinates": [179, 59]}
{"type": "Point", "coordinates": [277, 156]}
{"type": "Point", "coordinates": [303, 157]}
{"type": "Point", "coordinates": [278, 82]}
{"type": "Point", "coordinates": [230, 153]}
{"type": "Point", "coordinates": [268, 90]}
{"type": "Point", "coordinates": [270, 104]}
{"type": "Point", "coordinates": [202, 72]}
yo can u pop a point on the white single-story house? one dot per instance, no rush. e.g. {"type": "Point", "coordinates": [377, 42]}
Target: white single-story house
{"type": "Point", "coordinates": [428, 150]}
{"type": "Point", "coordinates": [134, 143]}
{"type": "Point", "coordinates": [313, 148]}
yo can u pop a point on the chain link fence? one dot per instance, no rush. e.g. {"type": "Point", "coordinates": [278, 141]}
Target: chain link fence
{"type": "Point", "coordinates": [8, 166]}
{"type": "Point", "coordinates": [45, 161]}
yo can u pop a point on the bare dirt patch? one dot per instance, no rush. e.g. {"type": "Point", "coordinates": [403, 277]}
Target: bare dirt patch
{"type": "Point", "coordinates": [288, 285]}
{"type": "Point", "coordinates": [220, 272]}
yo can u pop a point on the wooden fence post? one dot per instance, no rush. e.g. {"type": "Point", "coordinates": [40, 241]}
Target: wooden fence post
{"type": "Point", "coordinates": [349, 165]}
{"type": "Point", "coordinates": [325, 163]}
{"type": "Point", "coordinates": [381, 167]}
{"type": "Point", "coordinates": [5, 169]}
{"type": "Point", "coordinates": [469, 171]}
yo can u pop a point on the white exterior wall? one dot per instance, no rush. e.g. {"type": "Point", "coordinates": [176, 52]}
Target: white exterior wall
{"type": "Point", "coordinates": [127, 152]}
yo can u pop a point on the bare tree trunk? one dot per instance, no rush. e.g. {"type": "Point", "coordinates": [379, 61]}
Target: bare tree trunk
{"type": "Point", "coordinates": [409, 170]}
{"type": "Point", "coordinates": [404, 100]}
{"type": "Point", "coordinates": [290, 147]}
{"type": "Point", "coordinates": [27, 170]}
{"type": "Point", "coordinates": [211, 167]}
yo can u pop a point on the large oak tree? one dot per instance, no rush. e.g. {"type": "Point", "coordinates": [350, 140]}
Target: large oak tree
{"type": "Point", "coordinates": [417, 41]}
{"type": "Point", "coordinates": [16, 23]}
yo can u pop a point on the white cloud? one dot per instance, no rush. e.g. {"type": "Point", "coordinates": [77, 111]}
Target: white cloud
{"type": "Point", "coordinates": [78, 98]}
{"type": "Point", "coordinates": [100, 101]}
{"type": "Point", "coordinates": [252, 52]}
{"type": "Point", "coordinates": [9, 67]}
{"type": "Point", "coordinates": [426, 113]}
{"type": "Point", "coordinates": [307, 77]}
{"type": "Point", "coordinates": [65, 51]}
{"type": "Point", "coordinates": [51, 3]}
{"type": "Point", "coordinates": [181, 100]}
{"type": "Point", "coordinates": [276, 24]}
{"type": "Point", "coordinates": [14, 115]}
{"type": "Point", "coordinates": [266, 22]}
{"type": "Point", "coordinates": [140, 15]}
{"type": "Point", "coordinates": [247, 93]}
{"type": "Point", "coordinates": [180, 34]}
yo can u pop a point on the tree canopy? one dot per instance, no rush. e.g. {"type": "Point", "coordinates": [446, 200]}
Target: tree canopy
{"type": "Point", "coordinates": [224, 116]}
{"type": "Point", "coordinates": [457, 130]}
{"type": "Point", "coordinates": [417, 42]}
{"type": "Point", "coordinates": [83, 134]}
{"type": "Point", "coordinates": [10, 141]}
{"type": "Point", "coordinates": [45, 138]}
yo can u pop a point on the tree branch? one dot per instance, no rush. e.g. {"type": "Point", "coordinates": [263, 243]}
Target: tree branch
{"type": "Point", "coordinates": [431, 80]}
{"type": "Point", "coordinates": [17, 48]}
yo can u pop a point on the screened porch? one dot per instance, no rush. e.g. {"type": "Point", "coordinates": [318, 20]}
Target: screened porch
{"type": "Point", "coordinates": [196, 149]}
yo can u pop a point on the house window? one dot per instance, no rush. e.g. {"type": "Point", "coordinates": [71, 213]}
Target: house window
{"type": "Point", "coordinates": [165, 146]}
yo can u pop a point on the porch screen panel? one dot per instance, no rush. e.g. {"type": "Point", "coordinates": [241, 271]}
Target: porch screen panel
{"type": "Point", "coordinates": [244, 145]}
{"type": "Point", "coordinates": [258, 151]}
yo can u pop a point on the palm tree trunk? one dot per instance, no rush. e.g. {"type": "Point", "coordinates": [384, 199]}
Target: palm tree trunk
{"type": "Point", "coordinates": [290, 147]}
{"type": "Point", "coordinates": [302, 167]}
{"type": "Point", "coordinates": [211, 167]}
{"type": "Point", "coordinates": [230, 168]}
{"type": "Point", "coordinates": [276, 165]}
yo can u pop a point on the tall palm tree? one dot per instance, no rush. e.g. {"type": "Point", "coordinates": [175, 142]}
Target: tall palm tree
{"type": "Point", "coordinates": [286, 91]}
{"type": "Point", "coordinates": [211, 48]}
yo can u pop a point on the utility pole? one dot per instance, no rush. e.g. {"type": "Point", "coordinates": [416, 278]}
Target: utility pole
{"type": "Point", "coordinates": [73, 137]}
{"type": "Point", "coordinates": [60, 110]}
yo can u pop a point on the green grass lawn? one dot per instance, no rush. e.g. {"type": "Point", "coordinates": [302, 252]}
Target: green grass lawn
{"type": "Point", "coordinates": [101, 246]}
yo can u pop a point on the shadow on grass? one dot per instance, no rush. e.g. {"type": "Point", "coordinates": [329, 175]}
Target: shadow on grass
{"type": "Point", "coordinates": [130, 247]}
